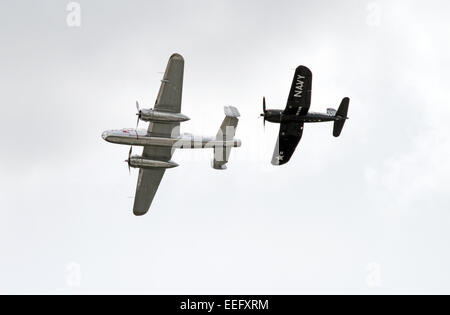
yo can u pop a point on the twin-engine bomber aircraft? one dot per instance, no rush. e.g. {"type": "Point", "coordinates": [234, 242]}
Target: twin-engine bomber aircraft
{"type": "Point", "coordinates": [292, 119]}
{"type": "Point", "coordinates": [163, 136]}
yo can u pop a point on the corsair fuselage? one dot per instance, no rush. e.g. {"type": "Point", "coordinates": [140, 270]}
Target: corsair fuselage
{"type": "Point", "coordinates": [277, 116]}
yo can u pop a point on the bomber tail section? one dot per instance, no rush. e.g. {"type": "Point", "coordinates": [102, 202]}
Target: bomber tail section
{"type": "Point", "coordinates": [225, 134]}
{"type": "Point", "coordinates": [341, 117]}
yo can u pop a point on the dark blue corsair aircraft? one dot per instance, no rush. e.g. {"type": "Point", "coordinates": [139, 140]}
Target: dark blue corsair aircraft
{"type": "Point", "coordinates": [297, 113]}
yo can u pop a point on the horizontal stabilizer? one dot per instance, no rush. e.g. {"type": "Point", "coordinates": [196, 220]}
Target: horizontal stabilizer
{"type": "Point", "coordinates": [343, 108]}
{"type": "Point", "coordinates": [338, 126]}
{"type": "Point", "coordinates": [226, 133]}
{"type": "Point", "coordinates": [341, 116]}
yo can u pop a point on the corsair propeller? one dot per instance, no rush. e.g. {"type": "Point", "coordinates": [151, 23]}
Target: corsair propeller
{"type": "Point", "coordinates": [264, 111]}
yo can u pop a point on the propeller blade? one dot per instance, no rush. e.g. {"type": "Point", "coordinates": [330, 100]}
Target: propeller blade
{"type": "Point", "coordinates": [264, 112]}
{"type": "Point", "coordinates": [138, 118]}
{"type": "Point", "coordinates": [129, 159]}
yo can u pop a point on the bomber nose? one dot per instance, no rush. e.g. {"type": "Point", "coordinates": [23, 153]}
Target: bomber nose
{"type": "Point", "coordinates": [105, 135]}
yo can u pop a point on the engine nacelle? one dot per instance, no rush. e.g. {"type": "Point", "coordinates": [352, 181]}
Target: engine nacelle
{"type": "Point", "coordinates": [140, 162]}
{"type": "Point", "coordinates": [153, 115]}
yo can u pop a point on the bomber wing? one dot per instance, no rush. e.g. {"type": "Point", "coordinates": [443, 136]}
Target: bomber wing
{"type": "Point", "coordinates": [168, 100]}
{"type": "Point", "coordinates": [169, 97]}
{"type": "Point", "coordinates": [149, 179]}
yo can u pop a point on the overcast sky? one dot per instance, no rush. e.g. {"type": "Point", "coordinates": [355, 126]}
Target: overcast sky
{"type": "Point", "coordinates": [368, 212]}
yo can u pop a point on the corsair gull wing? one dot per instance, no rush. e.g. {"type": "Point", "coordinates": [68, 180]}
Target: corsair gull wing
{"type": "Point", "coordinates": [288, 139]}
{"type": "Point", "coordinates": [299, 99]}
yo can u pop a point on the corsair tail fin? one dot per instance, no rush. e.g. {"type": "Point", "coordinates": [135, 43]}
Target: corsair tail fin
{"type": "Point", "coordinates": [341, 117]}
{"type": "Point", "coordinates": [225, 137]}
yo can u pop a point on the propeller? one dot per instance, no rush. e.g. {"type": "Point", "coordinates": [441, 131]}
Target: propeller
{"type": "Point", "coordinates": [129, 159]}
{"type": "Point", "coordinates": [139, 113]}
{"type": "Point", "coordinates": [264, 112]}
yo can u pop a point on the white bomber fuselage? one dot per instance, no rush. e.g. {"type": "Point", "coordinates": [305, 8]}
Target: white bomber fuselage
{"type": "Point", "coordinates": [185, 141]}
